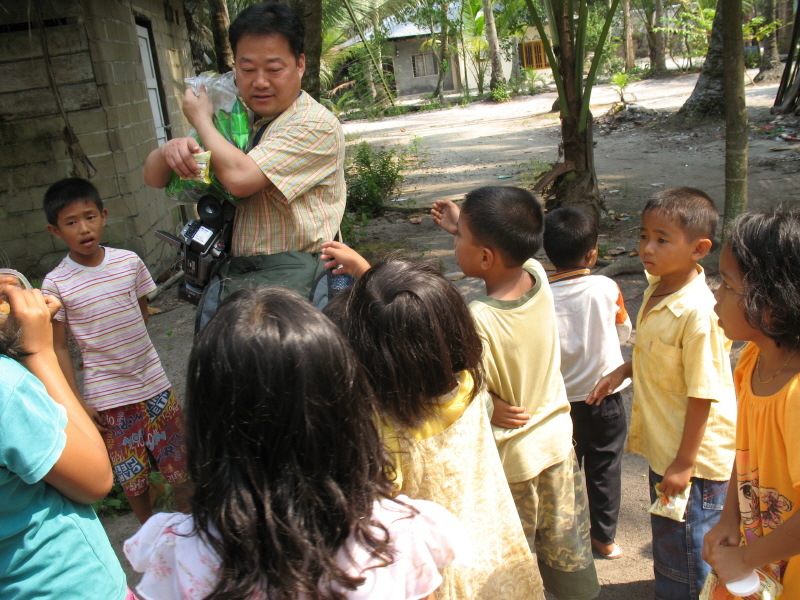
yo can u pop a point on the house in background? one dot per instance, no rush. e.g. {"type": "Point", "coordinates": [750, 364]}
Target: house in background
{"type": "Point", "coordinates": [111, 73]}
{"type": "Point", "coordinates": [416, 70]}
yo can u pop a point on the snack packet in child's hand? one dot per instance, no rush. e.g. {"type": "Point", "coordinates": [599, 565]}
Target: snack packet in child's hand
{"type": "Point", "coordinates": [672, 507]}
{"type": "Point", "coordinates": [203, 160]}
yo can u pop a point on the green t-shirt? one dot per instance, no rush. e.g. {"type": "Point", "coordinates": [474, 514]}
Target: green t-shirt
{"type": "Point", "coordinates": [50, 546]}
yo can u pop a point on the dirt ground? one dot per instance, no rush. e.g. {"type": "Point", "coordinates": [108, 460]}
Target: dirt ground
{"type": "Point", "coordinates": [496, 144]}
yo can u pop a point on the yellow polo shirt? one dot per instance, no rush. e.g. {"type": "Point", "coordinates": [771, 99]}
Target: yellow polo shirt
{"type": "Point", "coordinates": [680, 352]}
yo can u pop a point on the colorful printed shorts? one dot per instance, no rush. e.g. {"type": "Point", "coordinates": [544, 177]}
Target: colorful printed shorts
{"type": "Point", "coordinates": [145, 432]}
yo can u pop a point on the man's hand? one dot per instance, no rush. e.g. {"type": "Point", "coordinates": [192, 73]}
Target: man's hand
{"type": "Point", "coordinates": [445, 215]}
{"type": "Point", "coordinates": [177, 154]}
{"type": "Point", "coordinates": [676, 478]}
{"type": "Point", "coordinates": [506, 415]}
{"type": "Point", "coordinates": [197, 107]}
{"type": "Point", "coordinates": [337, 253]}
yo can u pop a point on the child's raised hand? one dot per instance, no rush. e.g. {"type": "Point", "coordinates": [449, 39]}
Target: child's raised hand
{"type": "Point", "coordinates": [32, 311]}
{"type": "Point", "coordinates": [445, 215]}
{"type": "Point", "coordinates": [506, 415]}
{"type": "Point", "coordinates": [343, 259]}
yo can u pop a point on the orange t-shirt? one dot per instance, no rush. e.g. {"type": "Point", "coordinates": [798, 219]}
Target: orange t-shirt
{"type": "Point", "coordinates": [768, 462]}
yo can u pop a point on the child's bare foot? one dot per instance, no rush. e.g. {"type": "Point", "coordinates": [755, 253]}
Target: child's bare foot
{"type": "Point", "coordinates": [445, 215]}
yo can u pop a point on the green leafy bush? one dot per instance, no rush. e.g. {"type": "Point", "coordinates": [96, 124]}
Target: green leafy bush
{"type": "Point", "coordinates": [500, 92]}
{"type": "Point", "coordinates": [374, 176]}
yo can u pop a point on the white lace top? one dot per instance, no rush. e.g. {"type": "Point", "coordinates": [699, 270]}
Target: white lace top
{"type": "Point", "coordinates": [178, 565]}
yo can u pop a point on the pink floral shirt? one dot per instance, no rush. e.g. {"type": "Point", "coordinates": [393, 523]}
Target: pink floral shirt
{"type": "Point", "coordinates": [178, 565]}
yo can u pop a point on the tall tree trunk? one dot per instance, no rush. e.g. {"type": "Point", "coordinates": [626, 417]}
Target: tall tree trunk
{"type": "Point", "coordinates": [786, 16]}
{"type": "Point", "coordinates": [708, 97]}
{"type": "Point", "coordinates": [494, 45]}
{"type": "Point", "coordinates": [770, 68]}
{"type": "Point", "coordinates": [735, 115]}
{"type": "Point", "coordinates": [310, 11]}
{"type": "Point", "coordinates": [444, 65]}
{"type": "Point", "coordinates": [577, 187]}
{"type": "Point", "coordinates": [658, 65]}
{"type": "Point", "coordinates": [627, 37]}
{"type": "Point", "coordinates": [192, 13]}
{"type": "Point", "coordinates": [219, 29]}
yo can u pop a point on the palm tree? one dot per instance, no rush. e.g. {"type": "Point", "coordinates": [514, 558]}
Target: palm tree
{"type": "Point", "coordinates": [574, 180]}
{"type": "Point", "coordinates": [494, 46]}
{"type": "Point", "coordinates": [708, 97]}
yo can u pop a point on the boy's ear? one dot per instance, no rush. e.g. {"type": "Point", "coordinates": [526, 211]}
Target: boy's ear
{"type": "Point", "coordinates": [54, 230]}
{"type": "Point", "coordinates": [488, 258]}
{"type": "Point", "coordinates": [590, 258]}
{"type": "Point", "coordinates": [701, 248]}
{"type": "Point", "coordinates": [103, 215]}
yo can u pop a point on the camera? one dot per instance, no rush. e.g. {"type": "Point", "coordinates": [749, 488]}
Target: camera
{"type": "Point", "coordinates": [203, 243]}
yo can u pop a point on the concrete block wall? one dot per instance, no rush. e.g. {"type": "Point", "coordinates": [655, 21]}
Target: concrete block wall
{"type": "Point", "coordinates": [97, 65]}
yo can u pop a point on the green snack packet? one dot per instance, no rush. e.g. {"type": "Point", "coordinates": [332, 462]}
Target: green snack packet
{"type": "Point", "coordinates": [239, 126]}
{"type": "Point", "coordinates": [222, 120]}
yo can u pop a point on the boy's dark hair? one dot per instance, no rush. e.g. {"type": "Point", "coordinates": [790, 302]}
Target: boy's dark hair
{"type": "Point", "coordinates": [63, 193]}
{"type": "Point", "coordinates": [766, 246]}
{"type": "Point", "coordinates": [569, 234]}
{"type": "Point", "coordinates": [508, 220]}
{"type": "Point", "coordinates": [269, 18]}
{"type": "Point", "coordinates": [282, 448]}
{"type": "Point", "coordinates": [692, 209]}
{"type": "Point", "coordinates": [412, 331]}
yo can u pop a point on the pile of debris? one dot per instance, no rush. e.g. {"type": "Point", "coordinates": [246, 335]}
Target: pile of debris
{"type": "Point", "coordinates": [621, 115]}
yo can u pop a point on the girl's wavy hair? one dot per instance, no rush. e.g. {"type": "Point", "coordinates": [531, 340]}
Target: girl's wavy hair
{"type": "Point", "coordinates": [412, 332]}
{"type": "Point", "coordinates": [766, 246]}
{"type": "Point", "coordinates": [283, 450]}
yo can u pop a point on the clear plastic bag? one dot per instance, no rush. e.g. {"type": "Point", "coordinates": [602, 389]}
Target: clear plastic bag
{"type": "Point", "coordinates": [230, 119]}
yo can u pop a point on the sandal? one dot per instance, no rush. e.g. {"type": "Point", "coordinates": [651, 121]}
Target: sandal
{"type": "Point", "coordinates": [616, 551]}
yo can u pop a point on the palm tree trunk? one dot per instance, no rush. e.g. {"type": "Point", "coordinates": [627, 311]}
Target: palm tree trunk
{"type": "Point", "coordinates": [192, 13]}
{"type": "Point", "coordinates": [219, 29]}
{"type": "Point", "coordinates": [310, 11]}
{"type": "Point", "coordinates": [627, 38]}
{"type": "Point", "coordinates": [770, 68]}
{"type": "Point", "coordinates": [659, 65]}
{"type": "Point", "coordinates": [708, 97]}
{"type": "Point", "coordinates": [735, 116]}
{"type": "Point", "coordinates": [494, 45]}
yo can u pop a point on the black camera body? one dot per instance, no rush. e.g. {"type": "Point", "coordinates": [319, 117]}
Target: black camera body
{"type": "Point", "coordinates": [202, 244]}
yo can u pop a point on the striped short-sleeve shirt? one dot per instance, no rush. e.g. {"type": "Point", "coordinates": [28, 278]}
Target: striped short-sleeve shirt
{"type": "Point", "coordinates": [302, 154]}
{"type": "Point", "coordinates": [101, 309]}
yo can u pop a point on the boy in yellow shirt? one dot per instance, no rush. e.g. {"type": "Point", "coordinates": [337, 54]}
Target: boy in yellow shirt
{"type": "Point", "coordinates": [497, 232]}
{"type": "Point", "coordinates": [684, 406]}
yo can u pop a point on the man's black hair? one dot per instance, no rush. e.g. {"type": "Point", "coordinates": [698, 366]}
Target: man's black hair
{"type": "Point", "coordinates": [63, 193]}
{"type": "Point", "coordinates": [269, 18]}
{"type": "Point", "coordinates": [569, 234]}
{"type": "Point", "coordinates": [507, 219]}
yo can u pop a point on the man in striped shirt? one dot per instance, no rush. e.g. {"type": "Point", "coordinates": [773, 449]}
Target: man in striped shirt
{"type": "Point", "coordinates": [292, 179]}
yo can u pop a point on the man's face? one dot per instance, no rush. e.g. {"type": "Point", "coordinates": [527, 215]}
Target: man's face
{"type": "Point", "coordinates": [267, 74]}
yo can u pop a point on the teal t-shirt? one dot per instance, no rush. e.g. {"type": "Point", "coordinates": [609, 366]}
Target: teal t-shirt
{"type": "Point", "coordinates": [50, 546]}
